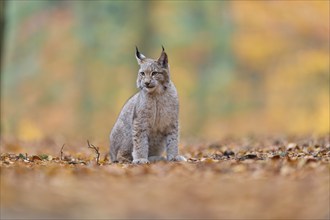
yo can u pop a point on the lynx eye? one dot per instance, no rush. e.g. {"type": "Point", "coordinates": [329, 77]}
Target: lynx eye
{"type": "Point", "coordinates": [154, 73]}
{"type": "Point", "coordinates": [142, 73]}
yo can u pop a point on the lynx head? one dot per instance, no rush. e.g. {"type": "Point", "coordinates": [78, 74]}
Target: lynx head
{"type": "Point", "coordinates": [153, 75]}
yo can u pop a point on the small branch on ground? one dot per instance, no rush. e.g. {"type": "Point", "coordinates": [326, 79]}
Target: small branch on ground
{"type": "Point", "coordinates": [62, 151]}
{"type": "Point", "coordinates": [96, 149]}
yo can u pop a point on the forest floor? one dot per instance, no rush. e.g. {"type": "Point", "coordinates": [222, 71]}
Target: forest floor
{"type": "Point", "coordinates": [252, 177]}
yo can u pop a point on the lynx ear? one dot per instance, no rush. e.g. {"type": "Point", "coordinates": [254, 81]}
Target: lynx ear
{"type": "Point", "coordinates": [163, 60]}
{"type": "Point", "coordinates": [139, 56]}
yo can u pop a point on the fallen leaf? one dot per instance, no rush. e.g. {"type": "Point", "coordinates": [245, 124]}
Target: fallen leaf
{"type": "Point", "coordinates": [35, 157]}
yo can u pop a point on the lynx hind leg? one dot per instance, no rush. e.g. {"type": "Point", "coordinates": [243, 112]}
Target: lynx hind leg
{"type": "Point", "coordinates": [156, 158]}
{"type": "Point", "coordinates": [120, 151]}
{"type": "Point", "coordinates": [124, 156]}
{"type": "Point", "coordinates": [113, 151]}
{"type": "Point", "coordinates": [113, 155]}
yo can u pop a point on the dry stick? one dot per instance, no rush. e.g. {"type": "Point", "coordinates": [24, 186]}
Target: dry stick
{"type": "Point", "coordinates": [62, 151]}
{"type": "Point", "coordinates": [96, 149]}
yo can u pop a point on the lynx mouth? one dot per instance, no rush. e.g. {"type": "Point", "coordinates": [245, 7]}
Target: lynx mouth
{"type": "Point", "coordinates": [150, 87]}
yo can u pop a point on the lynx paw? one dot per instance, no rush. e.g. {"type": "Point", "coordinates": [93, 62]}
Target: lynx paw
{"type": "Point", "coordinates": [141, 161]}
{"type": "Point", "coordinates": [156, 158]}
{"type": "Point", "coordinates": [176, 158]}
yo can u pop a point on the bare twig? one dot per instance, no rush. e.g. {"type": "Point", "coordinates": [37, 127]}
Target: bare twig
{"type": "Point", "coordinates": [96, 149]}
{"type": "Point", "coordinates": [62, 151]}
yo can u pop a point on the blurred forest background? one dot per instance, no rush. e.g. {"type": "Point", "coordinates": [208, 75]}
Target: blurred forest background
{"type": "Point", "coordinates": [240, 67]}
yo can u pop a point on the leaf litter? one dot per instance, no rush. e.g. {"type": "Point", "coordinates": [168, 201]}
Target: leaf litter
{"type": "Point", "coordinates": [254, 177]}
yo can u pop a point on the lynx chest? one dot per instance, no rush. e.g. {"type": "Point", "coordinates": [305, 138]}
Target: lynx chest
{"type": "Point", "coordinates": [164, 114]}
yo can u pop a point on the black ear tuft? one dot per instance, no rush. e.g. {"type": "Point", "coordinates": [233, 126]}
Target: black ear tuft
{"type": "Point", "coordinates": [137, 53]}
{"type": "Point", "coordinates": [163, 59]}
{"type": "Point", "coordinates": [139, 56]}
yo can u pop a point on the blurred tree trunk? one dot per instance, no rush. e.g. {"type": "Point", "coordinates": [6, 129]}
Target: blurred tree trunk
{"type": "Point", "coordinates": [2, 30]}
{"type": "Point", "coordinates": [214, 70]}
{"type": "Point", "coordinates": [85, 107]}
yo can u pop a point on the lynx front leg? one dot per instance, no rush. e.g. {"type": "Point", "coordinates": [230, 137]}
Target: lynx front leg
{"type": "Point", "coordinates": [140, 143]}
{"type": "Point", "coordinates": [172, 147]}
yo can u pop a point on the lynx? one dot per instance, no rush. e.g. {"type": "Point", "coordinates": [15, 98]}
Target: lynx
{"type": "Point", "coordinates": [147, 125]}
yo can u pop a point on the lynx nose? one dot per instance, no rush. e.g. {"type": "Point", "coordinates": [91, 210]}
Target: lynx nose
{"type": "Point", "coordinates": [147, 83]}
